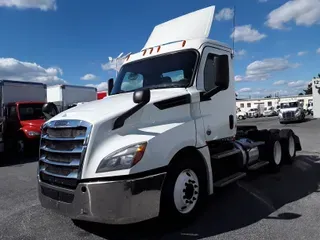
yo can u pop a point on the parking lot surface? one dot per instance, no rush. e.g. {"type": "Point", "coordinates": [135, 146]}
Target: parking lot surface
{"type": "Point", "coordinates": [284, 205]}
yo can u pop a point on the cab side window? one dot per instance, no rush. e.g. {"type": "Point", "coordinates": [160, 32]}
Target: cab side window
{"type": "Point", "coordinates": [12, 113]}
{"type": "Point", "coordinates": [210, 72]}
{"type": "Point", "coordinates": [216, 72]}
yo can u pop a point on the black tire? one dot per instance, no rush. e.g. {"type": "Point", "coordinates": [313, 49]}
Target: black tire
{"type": "Point", "coordinates": [20, 149]}
{"type": "Point", "coordinates": [168, 208]}
{"type": "Point", "coordinates": [288, 145]}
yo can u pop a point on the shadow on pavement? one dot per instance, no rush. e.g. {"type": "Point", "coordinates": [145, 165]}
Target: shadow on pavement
{"type": "Point", "coordinates": [234, 207]}
{"type": "Point", "coordinates": [11, 159]}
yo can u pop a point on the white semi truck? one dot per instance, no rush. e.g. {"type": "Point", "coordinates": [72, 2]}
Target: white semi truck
{"type": "Point", "coordinates": [291, 110]}
{"type": "Point", "coordinates": [162, 141]}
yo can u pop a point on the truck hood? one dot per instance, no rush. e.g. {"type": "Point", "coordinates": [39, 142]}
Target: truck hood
{"type": "Point", "coordinates": [113, 106]}
{"type": "Point", "coordinates": [32, 123]}
{"type": "Point", "coordinates": [288, 109]}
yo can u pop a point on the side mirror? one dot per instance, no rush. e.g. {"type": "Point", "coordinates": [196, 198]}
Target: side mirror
{"type": "Point", "coordinates": [110, 86]}
{"type": "Point", "coordinates": [141, 96]}
{"type": "Point", "coordinates": [222, 71]}
{"type": "Point", "coordinates": [49, 110]}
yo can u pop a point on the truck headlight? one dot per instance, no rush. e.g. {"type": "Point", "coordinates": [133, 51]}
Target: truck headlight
{"type": "Point", "coordinates": [280, 115]}
{"type": "Point", "coordinates": [123, 158]}
{"type": "Point", "coordinates": [298, 113]}
{"type": "Point", "coordinates": [33, 133]}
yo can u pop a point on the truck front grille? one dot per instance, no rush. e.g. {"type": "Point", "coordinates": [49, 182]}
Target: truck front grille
{"type": "Point", "coordinates": [63, 146]}
{"type": "Point", "coordinates": [289, 114]}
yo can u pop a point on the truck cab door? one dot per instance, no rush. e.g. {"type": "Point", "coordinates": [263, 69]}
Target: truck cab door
{"type": "Point", "coordinates": [12, 122]}
{"type": "Point", "coordinates": [219, 109]}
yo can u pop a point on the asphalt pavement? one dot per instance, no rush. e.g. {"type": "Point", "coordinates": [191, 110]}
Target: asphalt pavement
{"type": "Point", "coordinates": [282, 206]}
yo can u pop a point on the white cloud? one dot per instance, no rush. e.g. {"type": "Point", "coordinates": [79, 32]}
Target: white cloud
{"type": "Point", "coordinates": [261, 70]}
{"type": "Point", "coordinates": [103, 86]}
{"type": "Point", "coordinates": [242, 90]}
{"type": "Point", "coordinates": [240, 53]}
{"type": "Point", "coordinates": [246, 33]}
{"type": "Point", "coordinates": [302, 12]}
{"type": "Point", "coordinates": [13, 69]}
{"type": "Point", "coordinates": [44, 5]}
{"type": "Point", "coordinates": [280, 82]}
{"type": "Point", "coordinates": [238, 78]}
{"type": "Point", "coordinates": [225, 14]}
{"type": "Point", "coordinates": [302, 53]}
{"type": "Point", "coordinates": [318, 50]}
{"type": "Point", "coordinates": [89, 76]}
{"type": "Point", "coordinates": [298, 84]}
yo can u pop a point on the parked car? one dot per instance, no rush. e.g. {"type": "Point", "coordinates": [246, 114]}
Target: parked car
{"type": "Point", "coordinates": [253, 113]}
{"type": "Point", "coordinates": [270, 112]}
{"type": "Point", "coordinates": [241, 115]}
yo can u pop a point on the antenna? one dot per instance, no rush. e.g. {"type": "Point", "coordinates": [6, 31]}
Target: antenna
{"type": "Point", "coordinates": [234, 28]}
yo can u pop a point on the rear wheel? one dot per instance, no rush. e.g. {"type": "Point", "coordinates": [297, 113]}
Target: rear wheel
{"type": "Point", "coordinates": [271, 151]}
{"type": "Point", "coordinates": [184, 190]}
{"type": "Point", "coordinates": [288, 145]}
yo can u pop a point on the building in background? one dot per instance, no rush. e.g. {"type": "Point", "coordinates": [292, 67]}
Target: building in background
{"type": "Point", "coordinates": [316, 97]}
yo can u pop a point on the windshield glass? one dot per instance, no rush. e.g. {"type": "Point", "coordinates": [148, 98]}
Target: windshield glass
{"type": "Point", "coordinates": [30, 111]}
{"type": "Point", "coordinates": [167, 71]}
{"type": "Point", "coordinates": [289, 105]}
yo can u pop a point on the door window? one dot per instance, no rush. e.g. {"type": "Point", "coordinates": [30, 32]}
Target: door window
{"type": "Point", "coordinates": [12, 113]}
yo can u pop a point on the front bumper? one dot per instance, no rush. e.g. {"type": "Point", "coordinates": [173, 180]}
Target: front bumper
{"type": "Point", "coordinates": [109, 202]}
{"type": "Point", "coordinates": [290, 119]}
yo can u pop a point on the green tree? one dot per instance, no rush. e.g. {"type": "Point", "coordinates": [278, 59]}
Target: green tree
{"type": "Point", "coordinates": [308, 90]}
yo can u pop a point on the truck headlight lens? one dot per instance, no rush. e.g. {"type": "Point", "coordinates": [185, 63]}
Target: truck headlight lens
{"type": "Point", "coordinates": [32, 133]}
{"type": "Point", "coordinates": [123, 158]}
{"type": "Point", "coordinates": [298, 112]}
{"type": "Point", "coordinates": [280, 115]}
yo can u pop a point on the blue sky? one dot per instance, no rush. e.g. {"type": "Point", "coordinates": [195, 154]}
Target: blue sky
{"type": "Point", "coordinates": [57, 41]}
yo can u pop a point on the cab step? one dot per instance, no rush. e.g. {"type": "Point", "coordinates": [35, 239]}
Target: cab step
{"type": "Point", "coordinates": [226, 153]}
{"type": "Point", "coordinates": [230, 179]}
{"type": "Point", "coordinates": [258, 165]}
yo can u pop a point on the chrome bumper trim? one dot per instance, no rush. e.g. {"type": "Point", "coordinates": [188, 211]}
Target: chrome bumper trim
{"type": "Point", "coordinates": [109, 202]}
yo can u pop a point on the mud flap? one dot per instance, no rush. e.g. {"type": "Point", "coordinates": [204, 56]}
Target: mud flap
{"type": "Point", "coordinates": [297, 142]}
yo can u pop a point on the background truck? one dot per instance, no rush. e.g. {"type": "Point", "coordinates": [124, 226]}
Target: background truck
{"type": "Point", "coordinates": [291, 110]}
{"type": "Point", "coordinates": [161, 142]}
{"type": "Point", "coordinates": [21, 115]}
{"type": "Point", "coordinates": [66, 96]}
{"type": "Point", "coordinates": [101, 95]}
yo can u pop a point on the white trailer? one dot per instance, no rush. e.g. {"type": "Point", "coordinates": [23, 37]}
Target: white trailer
{"type": "Point", "coordinates": [162, 145]}
{"type": "Point", "coordinates": [65, 96]}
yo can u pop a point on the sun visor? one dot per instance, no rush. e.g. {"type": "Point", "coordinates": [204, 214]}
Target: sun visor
{"type": "Point", "coordinates": [193, 25]}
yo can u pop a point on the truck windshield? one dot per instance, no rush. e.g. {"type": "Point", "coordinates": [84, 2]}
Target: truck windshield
{"type": "Point", "coordinates": [289, 105]}
{"type": "Point", "coordinates": [166, 71]}
{"type": "Point", "coordinates": [30, 112]}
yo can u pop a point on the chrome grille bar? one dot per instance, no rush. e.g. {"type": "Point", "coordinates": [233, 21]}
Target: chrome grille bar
{"type": "Point", "coordinates": [62, 150]}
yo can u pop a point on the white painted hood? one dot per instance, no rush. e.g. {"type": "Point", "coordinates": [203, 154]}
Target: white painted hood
{"type": "Point", "coordinates": [288, 109]}
{"type": "Point", "coordinates": [113, 106]}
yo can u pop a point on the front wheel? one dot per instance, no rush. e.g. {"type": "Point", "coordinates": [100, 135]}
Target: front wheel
{"type": "Point", "coordinates": [184, 191]}
{"type": "Point", "coordinates": [20, 148]}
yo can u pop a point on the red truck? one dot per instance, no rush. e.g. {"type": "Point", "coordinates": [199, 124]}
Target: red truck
{"type": "Point", "coordinates": [101, 94]}
{"type": "Point", "coordinates": [21, 115]}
